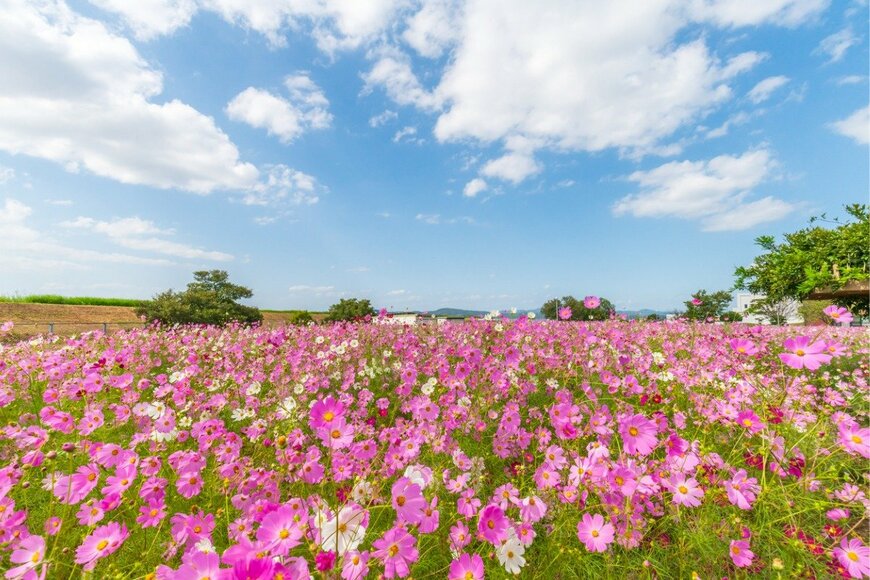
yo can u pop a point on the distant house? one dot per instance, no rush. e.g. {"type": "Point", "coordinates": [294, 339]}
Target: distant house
{"type": "Point", "coordinates": [787, 308]}
{"type": "Point", "coordinates": [410, 318]}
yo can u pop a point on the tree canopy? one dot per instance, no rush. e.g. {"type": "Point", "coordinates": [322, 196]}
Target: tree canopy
{"type": "Point", "coordinates": [550, 309]}
{"type": "Point", "coordinates": [210, 299]}
{"type": "Point", "coordinates": [705, 305]}
{"type": "Point", "coordinates": [350, 309]}
{"type": "Point", "coordinates": [812, 258]}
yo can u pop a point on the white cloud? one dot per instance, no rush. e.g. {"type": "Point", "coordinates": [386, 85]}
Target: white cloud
{"type": "Point", "coordinates": [429, 218]}
{"type": "Point", "coordinates": [137, 234]}
{"type": "Point", "coordinates": [762, 91]}
{"type": "Point", "coordinates": [24, 247]}
{"type": "Point", "coordinates": [712, 191]}
{"type": "Point", "coordinates": [513, 167]}
{"type": "Point", "coordinates": [284, 185]}
{"type": "Point", "coordinates": [836, 45]}
{"type": "Point", "coordinates": [433, 28]}
{"type": "Point", "coordinates": [856, 126]}
{"type": "Point", "coordinates": [852, 80]}
{"type": "Point", "coordinates": [473, 187]}
{"type": "Point", "coordinates": [397, 292]}
{"type": "Point", "coordinates": [406, 133]}
{"type": "Point", "coordinates": [151, 18]}
{"type": "Point", "coordinates": [752, 12]}
{"type": "Point", "coordinates": [383, 118]}
{"type": "Point", "coordinates": [6, 174]}
{"type": "Point", "coordinates": [306, 108]}
{"type": "Point", "coordinates": [90, 106]}
{"type": "Point", "coordinates": [60, 202]}
{"type": "Point", "coordinates": [733, 121]}
{"type": "Point", "coordinates": [392, 71]}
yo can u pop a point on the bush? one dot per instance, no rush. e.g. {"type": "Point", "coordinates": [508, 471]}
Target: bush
{"type": "Point", "coordinates": [209, 299]}
{"type": "Point", "coordinates": [706, 305]}
{"type": "Point", "coordinates": [731, 317]}
{"type": "Point", "coordinates": [579, 311]}
{"type": "Point", "coordinates": [350, 309]}
{"type": "Point", "coordinates": [300, 317]}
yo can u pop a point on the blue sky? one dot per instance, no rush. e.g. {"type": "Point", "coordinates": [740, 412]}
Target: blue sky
{"type": "Point", "coordinates": [480, 154]}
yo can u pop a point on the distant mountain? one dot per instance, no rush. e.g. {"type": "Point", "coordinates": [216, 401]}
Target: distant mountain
{"type": "Point", "coordinates": [457, 312]}
{"type": "Point", "coordinates": [644, 312]}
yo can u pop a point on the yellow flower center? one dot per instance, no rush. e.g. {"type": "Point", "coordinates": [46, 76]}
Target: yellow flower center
{"type": "Point", "coordinates": [857, 439]}
{"type": "Point", "coordinates": [683, 489]}
{"type": "Point", "coordinates": [394, 549]}
{"type": "Point", "coordinates": [102, 545]}
{"type": "Point", "coordinates": [852, 556]}
{"type": "Point", "coordinates": [328, 416]}
{"type": "Point", "coordinates": [336, 433]}
{"type": "Point", "coordinates": [400, 500]}
{"type": "Point", "coordinates": [35, 557]}
{"type": "Point", "coordinates": [632, 431]}
{"type": "Point", "coordinates": [799, 352]}
{"type": "Point", "coordinates": [594, 533]}
{"type": "Point", "coordinates": [283, 534]}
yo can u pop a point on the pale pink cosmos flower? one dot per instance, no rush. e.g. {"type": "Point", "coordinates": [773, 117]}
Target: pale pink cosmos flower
{"type": "Point", "coordinates": [638, 435]}
{"type": "Point", "coordinates": [29, 554]}
{"type": "Point", "coordinates": [7, 326]}
{"type": "Point", "coordinates": [854, 556]}
{"type": "Point", "coordinates": [532, 509]}
{"type": "Point", "coordinates": [280, 529]}
{"type": "Point", "coordinates": [592, 302]}
{"type": "Point", "coordinates": [408, 501]}
{"type": "Point", "coordinates": [740, 553]}
{"type": "Point", "coordinates": [397, 550]}
{"type": "Point", "coordinates": [594, 533]}
{"type": "Point", "coordinates": [355, 566]}
{"type": "Point", "coordinates": [104, 541]}
{"type": "Point", "coordinates": [686, 491]}
{"type": "Point", "coordinates": [744, 346]}
{"type": "Point", "coordinates": [837, 514]}
{"type": "Point", "coordinates": [804, 354]}
{"type": "Point", "coordinates": [741, 489]}
{"type": "Point", "coordinates": [838, 314]}
{"type": "Point", "coordinates": [564, 313]}
{"type": "Point", "coordinates": [855, 440]}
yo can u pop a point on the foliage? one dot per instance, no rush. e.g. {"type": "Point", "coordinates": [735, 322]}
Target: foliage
{"type": "Point", "coordinates": [731, 316]}
{"type": "Point", "coordinates": [681, 438]}
{"type": "Point", "coordinates": [579, 312]}
{"type": "Point", "coordinates": [210, 299]}
{"type": "Point", "coordinates": [350, 309]}
{"type": "Point", "coordinates": [812, 311]}
{"type": "Point", "coordinates": [74, 300]}
{"type": "Point", "coordinates": [300, 317]}
{"type": "Point", "coordinates": [707, 305]}
{"type": "Point", "coordinates": [812, 258]}
{"type": "Point", "coordinates": [653, 317]}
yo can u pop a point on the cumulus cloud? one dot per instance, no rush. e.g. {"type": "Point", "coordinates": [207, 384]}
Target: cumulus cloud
{"type": "Point", "coordinates": [856, 126]}
{"type": "Point", "coordinates": [286, 118]}
{"type": "Point", "coordinates": [473, 187]}
{"type": "Point", "coordinates": [392, 71]}
{"type": "Point", "coordinates": [78, 94]}
{"type": "Point", "coordinates": [284, 185]}
{"type": "Point", "coordinates": [383, 118]}
{"type": "Point", "coordinates": [762, 91]}
{"type": "Point", "coordinates": [712, 191]}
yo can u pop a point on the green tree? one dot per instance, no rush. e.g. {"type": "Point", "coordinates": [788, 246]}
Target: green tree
{"type": "Point", "coordinates": [300, 317]}
{"type": "Point", "coordinates": [550, 309]}
{"type": "Point", "coordinates": [811, 258]}
{"type": "Point", "coordinates": [705, 305]}
{"type": "Point", "coordinates": [210, 299]}
{"type": "Point", "coordinates": [731, 316]}
{"type": "Point", "coordinates": [350, 309]}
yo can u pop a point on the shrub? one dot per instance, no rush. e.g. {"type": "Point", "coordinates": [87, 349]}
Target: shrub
{"type": "Point", "coordinates": [350, 309]}
{"type": "Point", "coordinates": [209, 299]}
{"type": "Point", "coordinates": [300, 317]}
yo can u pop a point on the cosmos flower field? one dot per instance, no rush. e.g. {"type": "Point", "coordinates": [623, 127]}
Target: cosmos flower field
{"type": "Point", "coordinates": [479, 449]}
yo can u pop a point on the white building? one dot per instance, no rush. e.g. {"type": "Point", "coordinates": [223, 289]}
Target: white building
{"type": "Point", "coordinates": [788, 308]}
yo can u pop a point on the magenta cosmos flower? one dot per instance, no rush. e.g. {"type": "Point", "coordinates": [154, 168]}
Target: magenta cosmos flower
{"type": "Point", "coordinates": [280, 530]}
{"type": "Point", "coordinates": [408, 501]}
{"type": "Point", "coordinates": [102, 542]}
{"type": "Point", "coordinates": [804, 354]}
{"type": "Point", "coordinates": [740, 553]}
{"type": "Point", "coordinates": [594, 533]}
{"type": "Point", "coordinates": [638, 435]}
{"type": "Point", "coordinates": [493, 525]}
{"type": "Point", "coordinates": [565, 313]}
{"type": "Point", "coordinates": [749, 420]}
{"type": "Point", "coordinates": [854, 556]}
{"type": "Point", "coordinates": [744, 346]}
{"type": "Point", "coordinates": [591, 302]}
{"type": "Point", "coordinates": [466, 567]}
{"type": "Point", "coordinates": [838, 314]}
{"type": "Point", "coordinates": [396, 549]}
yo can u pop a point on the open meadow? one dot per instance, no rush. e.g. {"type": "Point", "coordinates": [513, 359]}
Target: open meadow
{"type": "Point", "coordinates": [551, 450]}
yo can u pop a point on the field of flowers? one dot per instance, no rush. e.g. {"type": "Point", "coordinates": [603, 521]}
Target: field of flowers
{"type": "Point", "coordinates": [486, 448]}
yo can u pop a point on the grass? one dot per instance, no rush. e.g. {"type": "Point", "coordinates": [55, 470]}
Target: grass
{"type": "Point", "coordinates": [74, 300]}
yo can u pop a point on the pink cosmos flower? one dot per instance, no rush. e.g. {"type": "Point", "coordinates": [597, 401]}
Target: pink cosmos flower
{"type": "Point", "coordinates": [744, 346]}
{"type": "Point", "coordinates": [466, 567]}
{"type": "Point", "coordinates": [837, 514]}
{"type": "Point", "coordinates": [592, 302]}
{"type": "Point", "coordinates": [532, 509]}
{"type": "Point", "coordinates": [460, 536]}
{"type": "Point", "coordinates": [686, 491]}
{"type": "Point", "coordinates": [324, 412]}
{"type": "Point", "coordinates": [408, 501]}
{"type": "Point", "coordinates": [355, 565]}
{"type": "Point", "coordinates": [638, 435]}
{"type": "Point", "coordinates": [594, 533]}
{"type": "Point", "coordinates": [397, 550]}
{"type": "Point", "coordinates": [199, 566]}
{"type": "Point", "coordinates": [151, 514]}
{"type": "Point", "coordinates": [280, 530]}
{"type": "Point", "coordinates": [742, 490]}
{"type": "Point", "coordinates": [565, 313]}
{"type": "Point", "coordinates": [102, 542]}
{"type": "Point", "coordinates": [740, 553]}
{"type": "Point", "coordinates": [7, 326]}
{"type": "Point", "coordinates": [855, 440]}
{"type": "Point", "coordinates": [697, 301]}
{"type": "Point", "coordinates": [493, 525]}
{"type": "Point", "coordinates": [804, 354]}
{"type": "Point", "coordinates": [838, 314]}
{"type": "Point", "coordinates": [854, 556]}
{"type": "Point", "coordinates": [29, 553]}
{"type": "Point", "coordinates": [749, 420]}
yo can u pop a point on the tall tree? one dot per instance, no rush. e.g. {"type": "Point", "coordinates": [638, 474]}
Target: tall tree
{"type": "Point", "coordinates": [707, 305]}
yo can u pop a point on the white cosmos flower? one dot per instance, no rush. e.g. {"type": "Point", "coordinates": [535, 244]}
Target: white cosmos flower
{"type": "Point", "coordinates": [419, 474]}
{"type": "Point", "coordinates": [362, 491]}
{"type": "Point", "coordinates": [254, 389]}
{"type": "Point", "coordinates": [345, 532]}
{"type": "Point", "coordinates": [510, 555]}
{"type": "Point", "coordinates": [205, 545]}
{"type": "Point", "coordinates": [286, 408]}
